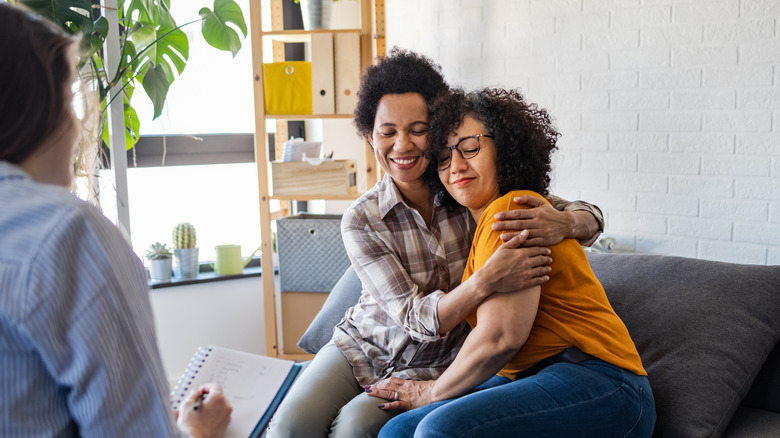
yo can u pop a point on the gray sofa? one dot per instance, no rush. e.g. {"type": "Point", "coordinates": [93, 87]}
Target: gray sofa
{"type": "Point", "coordinates": [707, 333]}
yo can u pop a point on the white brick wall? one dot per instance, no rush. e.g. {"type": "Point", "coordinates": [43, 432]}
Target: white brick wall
{"type": "Point", "coordinates": [669, 110]}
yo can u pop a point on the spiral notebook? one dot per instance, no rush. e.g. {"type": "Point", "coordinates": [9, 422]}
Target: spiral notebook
{"type": "Point", "coordinates": [253, 384]}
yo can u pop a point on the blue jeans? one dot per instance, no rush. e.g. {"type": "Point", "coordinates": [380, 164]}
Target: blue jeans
{"type": "Point", "coordinates": [589, 399]}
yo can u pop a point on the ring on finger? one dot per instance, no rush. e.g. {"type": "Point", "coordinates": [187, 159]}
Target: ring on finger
{"type": "Point", "coordinates": [395, 397]}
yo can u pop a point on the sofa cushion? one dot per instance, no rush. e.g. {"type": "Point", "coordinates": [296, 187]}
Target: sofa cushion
{"type": "Point", "coordinates": [765, 392]}
{"type": "Point", "coordinates": [703, 329]}
{"type": "Point", "coordinates": [753, 423]}
{"type": "Point", "coordinates": [344, 295]}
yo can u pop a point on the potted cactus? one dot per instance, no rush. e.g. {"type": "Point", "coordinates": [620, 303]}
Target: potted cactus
{"type": "Point", "coordinates": [159, 257]}
{"type": "Point", "coordinates": [185, 251]}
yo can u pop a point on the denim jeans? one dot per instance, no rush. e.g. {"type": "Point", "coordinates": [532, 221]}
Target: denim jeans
{"type": "Point", "coordinates": [589, 399]}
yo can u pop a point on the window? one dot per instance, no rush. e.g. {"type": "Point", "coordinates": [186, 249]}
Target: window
{"type": "Point", "coordinates": [209, 102]}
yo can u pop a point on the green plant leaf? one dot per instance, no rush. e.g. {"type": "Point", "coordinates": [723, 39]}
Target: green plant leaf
{"type": "Point", "coordinates": [156, 85]}
{"type": "Point", "coordinates": [215, 27]}
{"type": "Point", "coordinates": [74, 15]}
{"type": "Point", "coordinates": [150, 12]}
{"type": "Point", "coordinates": [132, 127]}
{"type": "Point", "coordinates": [162, 45]}
{"type": "Point", "coordinates": [95, 41]}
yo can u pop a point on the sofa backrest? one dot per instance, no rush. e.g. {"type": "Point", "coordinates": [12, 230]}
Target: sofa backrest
{"type": "Point", "coordinates": [765, 392]}
{"type": "Point", "coordinates": [704, 330]}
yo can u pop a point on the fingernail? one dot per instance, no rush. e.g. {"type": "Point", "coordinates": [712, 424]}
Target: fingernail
{"type": "Point", "coordinates": [367, 388]}
{"type": "Point", "coordinates": [381, 406]}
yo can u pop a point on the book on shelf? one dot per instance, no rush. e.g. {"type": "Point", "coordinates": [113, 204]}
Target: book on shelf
{"type": "Point", "coordinates": [253, 384]}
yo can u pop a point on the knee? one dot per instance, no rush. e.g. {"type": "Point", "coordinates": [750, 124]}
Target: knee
{"type": "Point", "coordinates": [435, 425]}
{"type": "Point", "coordinates": [296, 419]}
{"type": "Point", "coordinates": [400, 426]}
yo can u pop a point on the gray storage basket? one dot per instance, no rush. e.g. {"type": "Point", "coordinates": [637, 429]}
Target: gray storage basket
{"type": "Point", "coordinates": [312, 257]}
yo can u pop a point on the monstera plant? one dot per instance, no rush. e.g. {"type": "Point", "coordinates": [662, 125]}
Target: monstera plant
{"type": "Point", "coordinates": [154, 50]}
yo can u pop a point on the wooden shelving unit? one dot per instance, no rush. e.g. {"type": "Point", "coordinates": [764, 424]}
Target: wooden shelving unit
{"type": "Point", "coordinates": [372, 44]}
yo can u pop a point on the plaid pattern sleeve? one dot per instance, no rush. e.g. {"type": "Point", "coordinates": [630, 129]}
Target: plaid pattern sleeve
{"type": "Point", "coordinates": [405, 266]}
{"type": "Point", "coordinates": [564, 205]}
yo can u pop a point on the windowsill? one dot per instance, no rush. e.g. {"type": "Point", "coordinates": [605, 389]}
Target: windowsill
{"type": "Point", "coordinates": [206, 275]}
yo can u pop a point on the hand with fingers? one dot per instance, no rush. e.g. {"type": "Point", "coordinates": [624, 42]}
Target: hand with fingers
{"type": "Point", "coordinates": [205, 413]}
{"type": "Point", "coordinates": [546, 225]}
{"type": "Point", "coordinates": [515, 267]}
{"type": "Point", "coordinates": [402, 393]}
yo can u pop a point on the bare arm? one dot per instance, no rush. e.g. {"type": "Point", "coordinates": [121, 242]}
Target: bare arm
{"type": "Point", "coordinates": [504, 322]}
{"type": "Point", "coordinates": [548, 224]}
{"type": "Point", "coordinates": [509, 269]}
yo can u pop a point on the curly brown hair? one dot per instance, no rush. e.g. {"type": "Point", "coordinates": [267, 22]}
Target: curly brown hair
{"type": "Point", "coordinates": [523, 134]}
{"type": "Point", "coordinates": [401, 71]}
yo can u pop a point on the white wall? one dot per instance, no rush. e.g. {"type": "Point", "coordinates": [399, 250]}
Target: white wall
{"type": "Point", "coordinates": [225, 313]}
{"type": "Point", "coordinates": [669, 109]}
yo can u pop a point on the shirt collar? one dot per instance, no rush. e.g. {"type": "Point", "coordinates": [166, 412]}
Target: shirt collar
{"type": "Point", "coordinates": [389, 197]}
{"type": "Point", "coordinates": [11, 172]}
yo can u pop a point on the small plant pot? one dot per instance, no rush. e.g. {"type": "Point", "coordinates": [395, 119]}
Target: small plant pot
{"type": "Point", "coordinates": [160, 270]}
{"type": "Point", "coordinates": [185, 263]}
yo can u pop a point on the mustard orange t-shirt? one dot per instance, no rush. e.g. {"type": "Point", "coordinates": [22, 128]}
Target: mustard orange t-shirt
{"type": "Point", "coordinates": [573, 307]}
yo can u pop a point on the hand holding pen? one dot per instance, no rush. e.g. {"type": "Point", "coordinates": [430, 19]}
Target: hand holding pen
{"type": "Point", "coordinates": [199, 401]}
{"type": "Point", "coordinates": [205, 412]}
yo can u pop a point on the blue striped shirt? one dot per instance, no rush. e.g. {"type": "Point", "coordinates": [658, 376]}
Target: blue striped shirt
{"type": "Point", "coordinates": [78, 351]}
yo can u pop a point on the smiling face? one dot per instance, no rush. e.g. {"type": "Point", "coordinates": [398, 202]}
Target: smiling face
{"type": "Point", "coordinates": [400, 138]}
{"type": "Point", "coordinates": [472, 183]}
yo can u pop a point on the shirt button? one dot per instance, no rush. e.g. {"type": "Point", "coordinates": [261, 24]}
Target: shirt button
{"type": "Point", "coordinates": [442, 268]}
{"type": "Point", "coordinates": [403, 361]}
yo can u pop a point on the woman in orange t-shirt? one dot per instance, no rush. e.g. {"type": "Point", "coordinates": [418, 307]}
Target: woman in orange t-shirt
{"type": "Point", "coordinates": [548, 361]}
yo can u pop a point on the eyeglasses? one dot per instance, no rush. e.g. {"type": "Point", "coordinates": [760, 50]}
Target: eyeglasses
{"type": "Point", "coordinates": [467, 147]}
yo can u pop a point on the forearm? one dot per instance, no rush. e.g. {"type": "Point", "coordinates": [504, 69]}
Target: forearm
{"type": "Point", "coordinates": [585, 227]}
{"type": "Point", "coordinates": [480, 358]}
{"type": "Point", "coordinates": [504, 323]}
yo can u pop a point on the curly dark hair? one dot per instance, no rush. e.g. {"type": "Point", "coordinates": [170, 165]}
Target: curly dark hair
{"type": "Point", "coordinates": [523, 134]}
{"type": "Point", "coordinates": [401, 71]}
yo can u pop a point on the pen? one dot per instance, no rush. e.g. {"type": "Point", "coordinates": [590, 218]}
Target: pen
{"type": "Point", "coordinates": [199, 402]}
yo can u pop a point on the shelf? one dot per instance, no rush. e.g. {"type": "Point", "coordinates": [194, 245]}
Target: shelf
{"type": "Point", "coordinates": [298, 357]}
{"type": "Point", "coordinates": [300, 36]}
{"type": "Point", "coordinates": [350, 197]}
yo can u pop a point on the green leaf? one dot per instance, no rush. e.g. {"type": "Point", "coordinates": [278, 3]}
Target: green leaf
{"type": "Point", "coordinates": [132, 128]}
{"type": "Point", "coordinates": [156, 85]}
{"type": "Point", "coordinates": [215, 27]}
{"type": "Point", "coordinates": [95, 41]}
{"type": "Point", "coordinates": [150, 12]}
{"type": "Point", "coordinates": [164, 46]}
{"type": "Point", "coordinates": [74, 16]}
{"type": "Point", "coordinates": [101, 26]}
